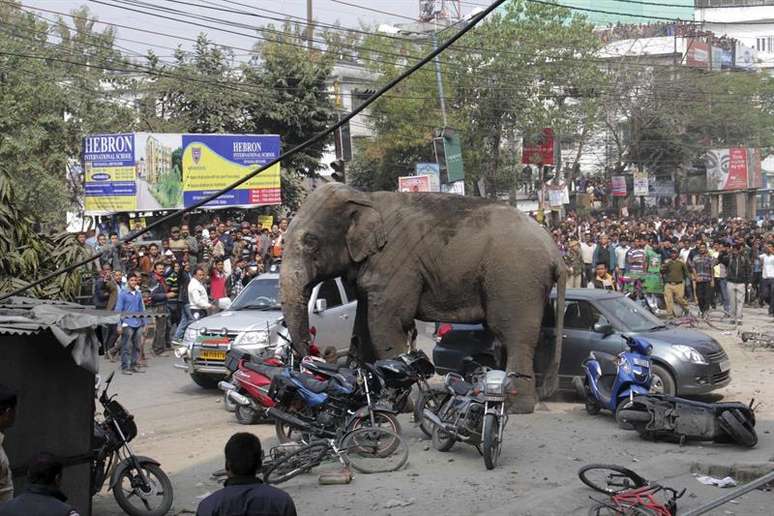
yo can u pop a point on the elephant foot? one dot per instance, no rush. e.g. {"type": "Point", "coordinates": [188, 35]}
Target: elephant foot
{"type": "Point", "coordinates": [522, 403]}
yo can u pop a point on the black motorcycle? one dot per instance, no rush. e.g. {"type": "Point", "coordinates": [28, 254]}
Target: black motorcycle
{"type": "Point", "coordinates": [139, 485]}
{"type": "Point", "coordinates": [657, 416]}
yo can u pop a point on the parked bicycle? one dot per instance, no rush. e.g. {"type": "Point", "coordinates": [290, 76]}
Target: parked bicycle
{"type": "Point", "coordinates": [629, 493]}
{"type": "Point", "coordinates": [366, 449]}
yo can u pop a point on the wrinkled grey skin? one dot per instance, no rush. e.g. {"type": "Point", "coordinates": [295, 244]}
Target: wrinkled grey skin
{"type": "Point", "coordinates": [432, 257]}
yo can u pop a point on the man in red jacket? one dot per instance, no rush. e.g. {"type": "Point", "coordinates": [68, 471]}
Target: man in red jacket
{"type": "Point", "coordinates": [217, 282]}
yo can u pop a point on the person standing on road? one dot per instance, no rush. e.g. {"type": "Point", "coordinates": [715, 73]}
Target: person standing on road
{"type": "Point", "coordinates": [602, 279]}
{"type": "Point", "coordinates": [674, 272]}
{"type": "Point", "coordinates": [574, 263]}
{"type": "Point", "coordinates": [620, 256]}
{"type": "Point", "coordinates": [738, 273]}
{"type": "Point", "coordinates": [130, 328]}
{"type": "Point", "coordinates": [244, 494]}
{"type": "Point", "coordinates": [217, 281]}
{"type": "Point", "coordinates": [191, 243]}
{"type": "Point", "coordinates": [702, 265]}
{"type": "Point", "coordinates": [159, 295]}
{"type": "Point", "coordinates": [767, 277]}
{"type": "Point", "coordinates": [8, 401]}
{"type": "Point", "coordinates": [587, 249]}
{"type": "Point", "coordinates": [604, 253]}
{"type": "Point", "coordinates": [197, 294]}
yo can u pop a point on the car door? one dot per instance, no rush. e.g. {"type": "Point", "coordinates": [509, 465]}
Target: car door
{"type": "Point", "coordinates": [579, 337]}
{"type": "Point", "coordinates": [329, 319]}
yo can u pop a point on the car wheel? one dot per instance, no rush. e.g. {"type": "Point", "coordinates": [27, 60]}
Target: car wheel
{"type": "Point", "coordinates": [205, 381]}
{"type": "Point", "coordinates": [662, 381]}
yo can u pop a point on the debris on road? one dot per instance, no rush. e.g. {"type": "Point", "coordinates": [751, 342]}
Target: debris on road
{"type": "Point", "coordinates": [718, 482]}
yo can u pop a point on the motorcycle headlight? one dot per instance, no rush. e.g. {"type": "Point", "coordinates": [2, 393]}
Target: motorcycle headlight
{"type": "Point", "coordinates": [190, 335]}
{"type": "Point", "coordinates": [688, 354]}
{"type": "Point", "coordinates": [252, 338]}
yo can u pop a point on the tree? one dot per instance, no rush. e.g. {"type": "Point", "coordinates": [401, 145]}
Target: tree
{"type": "Point", "coordinates": [507, 78]}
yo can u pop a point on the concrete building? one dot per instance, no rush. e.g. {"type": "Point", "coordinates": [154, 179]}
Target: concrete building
{"type": "Point", "coordinates": [158, 160]}
{"type": "Point", "coordinates": [751, 22]}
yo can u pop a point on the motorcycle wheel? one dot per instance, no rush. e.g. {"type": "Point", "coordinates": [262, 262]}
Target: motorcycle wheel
{"type": "Point", "coordinates": [739, 428]}
{"type": "Point", "coordinates": [245, 415]}
{"type": "Point", "coordinates": [126, 493]}
{"type": "Point", "coordinates": [431, 400]}
{"type": "Point", "coordinates": [492, 444]}
{"type": "Point", "coordinates": [204, 381]}
{"type": "Point", "coordinates": [289, 434]}
{"type": "Point", "coordinates": [442, 441]}
{"type": "Point", "coordinates": [229, 405]}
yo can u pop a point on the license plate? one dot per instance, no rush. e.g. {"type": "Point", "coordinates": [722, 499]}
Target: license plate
{"type": "Point", "coordinates": [725, 365]}
{"type": "Point", "coordinates": [212, 355]}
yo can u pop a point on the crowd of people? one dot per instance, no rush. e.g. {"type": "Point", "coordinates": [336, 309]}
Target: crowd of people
{"type": "Point", "coordinates": [713, 261]}
{"type": "Point", "coordinates": [177, 279]}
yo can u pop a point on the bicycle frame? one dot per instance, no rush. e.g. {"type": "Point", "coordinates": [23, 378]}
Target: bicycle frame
{"type": "Point", "coordinates": [644, 498]}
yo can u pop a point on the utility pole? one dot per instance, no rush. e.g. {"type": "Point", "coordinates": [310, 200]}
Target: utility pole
{"type": "Point", "coordinates": [309, 26]}
{"type": "Point", "coordinates": [438, 79]}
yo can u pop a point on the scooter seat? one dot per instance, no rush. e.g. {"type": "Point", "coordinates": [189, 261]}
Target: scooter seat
{"type": "Point", "coordinates": [266, 370]}
{"type": "Point", "coordinates": [323, 367]}
{"type": "Point", "coordinates": [608, 362]}
{"type": "Point", "coordinates": [310, 383]}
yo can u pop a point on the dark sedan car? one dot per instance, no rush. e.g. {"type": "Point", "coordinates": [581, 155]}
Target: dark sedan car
{"type": "Point", "coordinates": [685, 361]}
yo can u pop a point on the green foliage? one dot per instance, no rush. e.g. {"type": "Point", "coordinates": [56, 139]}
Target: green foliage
{"type": "Point", "coordinates": [169, 189]}
{"type": "Point", "coordinates": [504, 79]}
{"type": "Point", "coordinates": [26, 255]}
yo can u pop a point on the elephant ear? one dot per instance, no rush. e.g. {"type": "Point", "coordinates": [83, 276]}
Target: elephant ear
{"type": "Point", "coordinates": [365, 235]}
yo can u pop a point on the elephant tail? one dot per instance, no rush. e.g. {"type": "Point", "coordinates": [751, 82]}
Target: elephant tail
{"type": "Point", "coordinates": [551, 378]}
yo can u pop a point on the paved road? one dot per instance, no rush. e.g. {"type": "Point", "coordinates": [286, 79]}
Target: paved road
{"type": "Point", "coordinates": [185, 428]}
{"type": "Point", "coordinates": [145, 200]}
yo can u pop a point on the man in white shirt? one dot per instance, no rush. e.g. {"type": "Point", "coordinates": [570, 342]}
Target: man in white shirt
{"type": "Point", "coordinates": [620, 255]}
{"type": "Point", "coordinates": [587, 253]}
{"type": "Point", "coordinates": [197, 294]}
{"type": "Point", "coordinates": [7, 418]}
{"type": "Point", "coordinates": [767, 275]}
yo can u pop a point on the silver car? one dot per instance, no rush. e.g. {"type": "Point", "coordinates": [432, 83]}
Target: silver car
{"type": "Point", "coordinates": [252, 323]}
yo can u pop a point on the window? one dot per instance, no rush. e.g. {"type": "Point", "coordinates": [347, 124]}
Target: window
{"type": "Point", "coordinates": [581, 315]}
{"type": "Point", "coordinates": [764, 44]}
{"type": "Point", "coordinates": [330, 292]}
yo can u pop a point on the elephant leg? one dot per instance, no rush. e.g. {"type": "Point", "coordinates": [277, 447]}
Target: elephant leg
{"type": "Point", "coordinates": [519, 333]}
{"type": "Point", "coordinates": [389, 329]}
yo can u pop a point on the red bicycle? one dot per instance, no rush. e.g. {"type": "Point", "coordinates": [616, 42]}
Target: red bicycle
{"type": "Point", "coordinates": [630, 494]}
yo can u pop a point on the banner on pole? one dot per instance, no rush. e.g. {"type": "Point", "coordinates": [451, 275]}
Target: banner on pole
{"type": "Point", "coordinates": [414, 184]}
{"type": "Point", "coordinates": [618, 186]}
{"type": "Point", "coordinates": [641, 183]}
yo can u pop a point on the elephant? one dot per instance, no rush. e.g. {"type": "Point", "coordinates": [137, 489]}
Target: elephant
{"type": "Point", "coordinates": [432, 257]}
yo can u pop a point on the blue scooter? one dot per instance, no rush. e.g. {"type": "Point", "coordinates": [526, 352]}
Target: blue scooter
{"type": "Point", "coordinates": [611, 381]}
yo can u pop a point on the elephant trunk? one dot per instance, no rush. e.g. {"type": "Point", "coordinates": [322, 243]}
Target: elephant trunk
{"type": "Point", "coordinates": [295, 299]}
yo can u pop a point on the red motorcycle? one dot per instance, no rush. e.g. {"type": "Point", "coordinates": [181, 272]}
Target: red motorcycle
{"type": "Point", "coordinates": [246, 391]}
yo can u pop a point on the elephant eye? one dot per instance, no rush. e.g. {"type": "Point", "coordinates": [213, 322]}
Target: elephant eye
{"type": "Point", "coordinates": [311, 242]}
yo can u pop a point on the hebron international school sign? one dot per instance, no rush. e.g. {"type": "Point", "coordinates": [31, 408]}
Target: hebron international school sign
{"type": "Point", "coordinates": [156, 171]}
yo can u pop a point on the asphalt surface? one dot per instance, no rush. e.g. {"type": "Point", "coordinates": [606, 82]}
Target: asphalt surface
{"type": "Point", "coordinates": [186, 427]}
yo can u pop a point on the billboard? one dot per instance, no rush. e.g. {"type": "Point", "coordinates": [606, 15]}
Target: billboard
{"type": "Point", "coordinates": [698, 54]}
{"type": "Point", "coordinates": [539, 150]}
{"type": "Point", "coordinates": [434, 171]}
{"type": "Point", "coordinates": [618, 186]}
{"type": "Point", "coordinates": [641, 182]}
{"type": "Point", "coordinates": [716, 58]}
{"type": "Point", "coordinates": [744, 57]}
{"type": "Point", "coordinates": [736, 168]}
{"type": "Point", "coordinates": [414, 184]}
{"type": "Point", "coordinates": [158, 171]}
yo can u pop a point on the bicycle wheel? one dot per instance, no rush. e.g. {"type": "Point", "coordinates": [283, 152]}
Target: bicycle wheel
{"type": "Point", "coordinates": [374, 450]}
{"type": "Point", "coordinates": [300, 461]}
{"type": "Point", "coordinates": [610, 478]}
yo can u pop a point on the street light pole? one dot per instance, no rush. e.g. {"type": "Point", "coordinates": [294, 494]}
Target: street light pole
{"type": "Point", "coordinates": [438, 80]}
{"type": "Point", "coordinates": [309, 26]}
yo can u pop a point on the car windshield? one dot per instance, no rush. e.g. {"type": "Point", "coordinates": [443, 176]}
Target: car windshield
{"type": "Point", "coordinates": [634, 317]}
{"type": "Point", "coordinates": [259, 294]}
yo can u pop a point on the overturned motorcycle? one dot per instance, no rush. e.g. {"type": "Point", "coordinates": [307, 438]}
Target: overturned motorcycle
{"type": "Point", "coordinates": [656, 416]}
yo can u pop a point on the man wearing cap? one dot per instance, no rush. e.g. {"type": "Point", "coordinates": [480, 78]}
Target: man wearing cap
{"type": "Point", "coordinates": [7, 419]}
{"type": "Point", "coordinates": [738, 275]}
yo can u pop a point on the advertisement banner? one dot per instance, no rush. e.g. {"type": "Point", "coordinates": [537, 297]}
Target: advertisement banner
{"type": "Point", "coordinates": [159, 171]}
{"type": "Point", "coordinates": [641, 182]}
{"type": "Point", "coordinates": [434, 171]}
{"type": "Point", "coordinates": [726, 59]}
{"type": "Point", "coordinates": [744, 57]}
{"type": "Point", "coordinates": [726, 169]}
{"type": "Point", "coordinates": [539, 150]}
{"type": "Point", "coordinates": [414, 184]}
{"type": "Point", "coordinates": [618, 186]}
{"type": "Point", "coordinates": [266, 221]}
{"type": "Point", "coordinates": [698, 54]}
{"type": "Point", "coordinates": [213, 161]}
{"type": "Point", "coordinates": [452, 149]}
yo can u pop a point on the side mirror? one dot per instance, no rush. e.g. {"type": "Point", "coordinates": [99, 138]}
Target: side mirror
{"type": "Point", "coordinates": [604, 328]}
{"type": "Point", "coordinates": [320, 305]}
{"type": "Point", "coordinates": [224, 303]}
